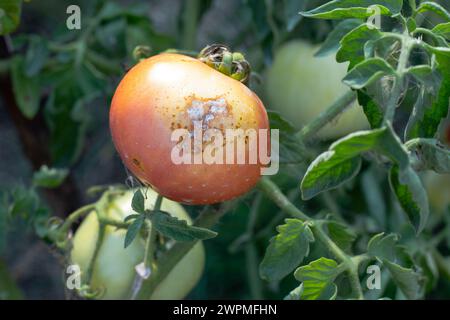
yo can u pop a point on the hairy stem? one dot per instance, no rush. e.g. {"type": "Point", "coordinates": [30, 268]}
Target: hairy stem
{"type": "Point", "coordinates": [398, 84]}
{"type": "Point", "coordinates": [98, 245]}
{"type": "Point", "coordinates": [151, 238]}
{"type": "Point", "coordinates": [190, 20]}
{"type": "Point", "coordinates": [251, 254]}
{"type": "Point", "coordinates": [326, 116]}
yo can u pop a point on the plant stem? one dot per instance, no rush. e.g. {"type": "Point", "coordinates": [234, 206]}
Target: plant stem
{"type": "Point", "coordinates": [74, 216]}
{"type": "Point", "coordinates": [151, 238]}
{"type": "Point", "coordinates": [272, 191]}
{"type": "Point", "coordinates": [190, 19]}
{"type": "Point", "coordinates": [98, 245]}
{"type": "Point", "coordinates": [114, 223]}
{"type": "Point", "coordinates": [326, 116]}
{"type": "Point", "coordinates": [398, 84]}
{"type": "Point", "coordinates": [251, 254]}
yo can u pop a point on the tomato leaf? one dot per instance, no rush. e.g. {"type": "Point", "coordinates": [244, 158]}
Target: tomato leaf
{"type": "Point", "coordinates": [438, 109]}
{"type": "Point", "coordinates": [332, 42]}
{"type": "Point", "coordinates": [177, 229]}
{"type": "Point", "coordinates": [328, 171]}
{"type": "Point", "coordinates": [411, 195]}
{"type": "Point", "coordinates": [49, 177]}
{"type": "Point", "coordinates": [286, 250]}
{"type": "Point", "coordinates": [9, 15]}
{"type": "Point", "coordinates": [339, 9]}
{"type": "Point", "coordinates": [409, 281]}
{"type": "Point", "coordinates": [372, 110]}
{"type": "Point", "coordinates": [295, 294]}
{"type": "Point", "coordinates": [342, 162]}
{"type": "Point", "coordinates": [353, 44]}
{"type": "Point", "coordinates": [317, 279]}
{"type": "Point", "coordinates": [26, 90]}
{"type": "Point", "coordinates": [133, 230]}
{"type": "Point", "coordinates": [429, 6]}
{"type": "Point", "coordinates": [342, 235]}
{"type": "Point", "coordinates": [367, 72]}
{"type": "Point", "coordinates": [36, 55]}
{"type": "Point", "coordinates": [442, 29]}
{"type": "Point", "coordinates": [138, 202]}
{"type": "Point", "coordinates": [383, 247]}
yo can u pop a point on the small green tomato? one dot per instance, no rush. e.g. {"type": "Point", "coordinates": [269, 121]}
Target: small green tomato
{"type": "Point", "coordinates": [114, 270]}
{"type": "Point", "coordinates": [301, 86]}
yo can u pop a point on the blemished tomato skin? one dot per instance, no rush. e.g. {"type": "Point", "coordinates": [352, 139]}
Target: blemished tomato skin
{"type": "Point", "coordinates": [153, 99]}
{"type": "Point", "coordinates": [114, 269]}
{"type": "Point", "coordinates": [300, 86]}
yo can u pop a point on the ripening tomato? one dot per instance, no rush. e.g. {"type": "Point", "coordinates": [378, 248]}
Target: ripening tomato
{"type": "Point", "coordinates": [114, 269]}
{"type": "Point", "coordinates": [168, 92]}
{"type": "Point", "coordinates": [301, 86]}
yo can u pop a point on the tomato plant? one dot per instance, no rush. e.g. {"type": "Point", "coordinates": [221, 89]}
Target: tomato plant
{"type": "Point", "coordinates": [357, 95]}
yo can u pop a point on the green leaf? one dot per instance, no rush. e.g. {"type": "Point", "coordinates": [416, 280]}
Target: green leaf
{"type": "Point", "coordinates": [26, 90]}
{"type": "Point", "coordinates": [372, 111]}
{"type": "Point", "coordinates": [411, 195]}
{"type": "Point", "coordinates": [342, 161]}
{"type": "Point", "coordinates": [317, 279]}
{"type": "Point", "coordinates": [339, 9]}
{"type": "Point", "coordinates": [332, 42]}
{"type": "Point", "coordinates": [286, 250]}
{"type": "Point", "coordinates": [133, 230]}
{"type": "Point", "coordinates": [49, 177]}
{"type": "Point", "coordinates": [9, 15]}
{"type": "Point", "coordinates": [138, 202]}
{"type": "Point", "coordinates": [328, 171]}
{"type": "Point", "coordinates": [131, 217]}
{"type": "Point", "coordinates": [290, 151]}
{"type": "Point", "coordinates": [409, 281]}
{"type": "Point", "coordinates": [36, 55]}
{"type": "Point", "coordinates": [367, 72]}
{"type": "Point", "coordinates": [179, 230]}
{"type": "Point", "coordinates": [426, 75]}
{"type": "Point", "coordinates": [353, 43]}
{"type": "Point", "coordinates": [442, 29]}
{"type": "Point", "coordinates": [428, 6]}
{"type": "Point", "coordinates": [383, 247]}
{"type": "Point", "coordinates": [295, 294]}
{"type": "Point", "coordinates": [439, 109]}
{"type": "Point", "coordinates": [341, 234]}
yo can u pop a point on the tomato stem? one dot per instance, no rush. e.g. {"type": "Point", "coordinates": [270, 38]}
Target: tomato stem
{"type": "Point", "coordinates": [326, 116]}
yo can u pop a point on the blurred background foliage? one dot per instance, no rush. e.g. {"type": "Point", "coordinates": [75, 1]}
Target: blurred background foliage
{"type": "Point", "coordinates": [67, 78]}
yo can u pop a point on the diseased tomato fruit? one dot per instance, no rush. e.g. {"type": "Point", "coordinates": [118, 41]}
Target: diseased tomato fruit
{"type": "Point", "coordinates": [301, 86]}
{"type": "Point", "coordinates": [114, 269]}
{"type": "Point", "coordinates": [168, 92]}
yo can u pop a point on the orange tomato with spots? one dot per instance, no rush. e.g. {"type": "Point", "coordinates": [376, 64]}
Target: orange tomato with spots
{"type": "Point", "coordinates": [167, 93]}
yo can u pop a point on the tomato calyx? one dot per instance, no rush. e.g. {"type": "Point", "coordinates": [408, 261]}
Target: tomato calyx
{"type": "Point", "coordinates": [222, 59]}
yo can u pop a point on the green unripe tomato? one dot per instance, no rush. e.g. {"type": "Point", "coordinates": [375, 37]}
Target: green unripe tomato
{"type": "Point", "coordinates": [114, 269]}
{"type": "Point", "coordinates": [438, 189]}
{"type": "Point", "coordinates": [301, 86]}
